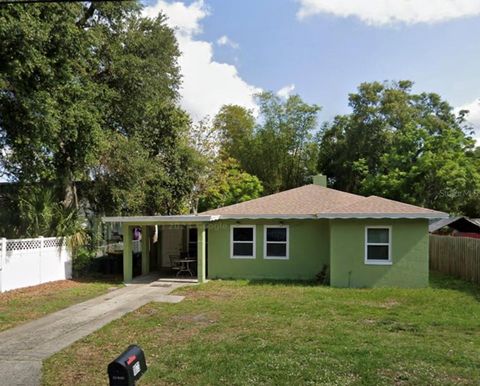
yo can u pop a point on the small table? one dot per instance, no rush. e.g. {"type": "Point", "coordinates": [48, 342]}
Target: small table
{"type": "Point", "coordinates": [185, 266]}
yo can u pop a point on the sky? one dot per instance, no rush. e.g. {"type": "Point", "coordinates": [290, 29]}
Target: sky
{"type": "Point", "coordinates": [323, 49]}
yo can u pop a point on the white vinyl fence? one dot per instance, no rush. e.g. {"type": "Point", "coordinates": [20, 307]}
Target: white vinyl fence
{"type": "Point", "coordinates": [27, 262]}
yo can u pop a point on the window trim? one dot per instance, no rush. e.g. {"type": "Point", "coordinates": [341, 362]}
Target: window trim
{"type": "Point", "coordinates": [265, 242]}
{"type": "Point", "coordinates": [232, 227]}
{"type": "Point", "coordinates": [389, 245]}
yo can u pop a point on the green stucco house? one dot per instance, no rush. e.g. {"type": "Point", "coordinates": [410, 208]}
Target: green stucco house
{"type": "Point", "coordinates": [296, 234]}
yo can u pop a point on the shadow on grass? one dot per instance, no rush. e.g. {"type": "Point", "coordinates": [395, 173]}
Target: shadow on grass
{"type": "Point", "coordinates": [437, 281]}
{"type": "Point", "coordinates": [442, 281]}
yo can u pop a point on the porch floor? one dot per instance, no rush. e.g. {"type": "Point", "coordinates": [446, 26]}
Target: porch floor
{"type": "Point", "coordinates": [162, 277]}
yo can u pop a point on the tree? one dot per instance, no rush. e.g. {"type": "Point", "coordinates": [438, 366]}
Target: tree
{"type": "Point", "coordinates": [285, 154]}
{"type": "Point", "coordinates": [128, 181]}
{"type": "Point", "coordinates": [229, 185]}
{"type": "Point", "coordinates": [80, 79]}
{"type": "Point", "coordinates": [235, 126]}
{"type": "Point", "coordinates": [471, 206]}
{"type": "Point", "coordinates": [280, 149]}
{"type": "Point", "coordinates": [405, 146]}
{"type": "Point", "coordinates": [220, 181]}
{"type": "Point", "coordinates": [121, 178]}
{"type": "Point", "coordinates": [49, 120]}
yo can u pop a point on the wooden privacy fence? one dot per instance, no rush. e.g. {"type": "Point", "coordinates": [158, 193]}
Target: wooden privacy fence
{"type": "Point", "coordinates": [456, 256]}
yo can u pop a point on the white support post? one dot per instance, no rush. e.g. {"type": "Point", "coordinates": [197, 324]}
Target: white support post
{"type": "Point", "coordinates": [201, 253]}
{"type": "Point", "coordinates": [127, 253]}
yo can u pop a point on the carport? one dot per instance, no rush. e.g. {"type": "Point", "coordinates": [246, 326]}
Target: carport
{"type": "Point", "coordinates": [129, 223]}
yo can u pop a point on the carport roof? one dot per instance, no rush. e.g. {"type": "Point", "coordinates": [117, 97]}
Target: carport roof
{"type": "Point", "coordinates": [148, 220]}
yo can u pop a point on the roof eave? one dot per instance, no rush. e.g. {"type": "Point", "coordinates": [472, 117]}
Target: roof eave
{"type": "Point", "coordinates": [436, 215]}
{"type": "Point", "coordinates": [191, 219]}
{"type": "Point", "coordinates": [267, 217]}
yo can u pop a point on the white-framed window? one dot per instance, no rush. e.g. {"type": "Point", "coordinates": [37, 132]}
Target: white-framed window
{"type": "Point", "coordinates": [378, 245]}
{"type": "Point", "coordinates": [242, 242]}
{"type": "Point", "coordinates": [275, 244]}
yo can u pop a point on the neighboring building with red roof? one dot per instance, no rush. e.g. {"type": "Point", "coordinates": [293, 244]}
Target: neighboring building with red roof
{"type": "Point", "coordinates": [353, 241]}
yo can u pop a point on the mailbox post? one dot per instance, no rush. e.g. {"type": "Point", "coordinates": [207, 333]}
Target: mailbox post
{"type": "Point", "coordinates": [128, 367]}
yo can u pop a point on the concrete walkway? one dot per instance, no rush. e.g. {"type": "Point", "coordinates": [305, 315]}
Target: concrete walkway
{"type": "Point", "coordinates": [23, 348]}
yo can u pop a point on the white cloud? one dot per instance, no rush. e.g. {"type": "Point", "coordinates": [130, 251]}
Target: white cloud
{"type": "Point", "coordinates": [385, 12]}
{"type": "Point", "coordinates": [286, 91]}
{"type": "Point", "coordinates": [473, 116]}
{"type": "Point", "coordinates": [207, 84]}
{"type": "Point", "coordinates": [185, 19]}
{"type": "Point", "coordinates": [226, 41]}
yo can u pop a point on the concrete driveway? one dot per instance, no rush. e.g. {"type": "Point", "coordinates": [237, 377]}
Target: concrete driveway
{"type": "Point", "coordinates": [23, 348]}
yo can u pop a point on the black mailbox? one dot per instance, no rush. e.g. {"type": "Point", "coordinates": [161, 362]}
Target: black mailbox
{"type": "Point", "coordinates": [128, 367]}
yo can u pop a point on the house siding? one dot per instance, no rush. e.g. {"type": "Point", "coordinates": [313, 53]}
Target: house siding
{"type": "Point", "coordinates": [308, 251]}
{"type": "Point", "coordinates": [409, 255]}
{"type": "Point", "coordinates": [337, 243]}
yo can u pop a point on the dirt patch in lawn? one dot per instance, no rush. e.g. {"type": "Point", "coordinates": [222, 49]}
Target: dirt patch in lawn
{"type": "Point", "coordinates": [181, 328]}
{"type": "Point", "coordinates": [215, 296]}
{"type": "Point", "coordinates": [388, 304]}
{"type": "Point", "coordinates": [201, 319]}
{"type": "Point", "coordinates": [39, 290]}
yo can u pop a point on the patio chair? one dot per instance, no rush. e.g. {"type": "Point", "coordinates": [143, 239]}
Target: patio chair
{"type": "Point", "coordinates": [175, 265]}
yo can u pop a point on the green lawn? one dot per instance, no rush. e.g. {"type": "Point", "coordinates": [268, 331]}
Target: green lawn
{"type": "Point", "coordinates": [30, 303]}
{"type": "Point", "coordinates": [239, 332]}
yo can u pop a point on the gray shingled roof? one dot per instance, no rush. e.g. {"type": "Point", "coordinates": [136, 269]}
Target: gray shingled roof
{"type": "Point", "coordinates": [315, 200]}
